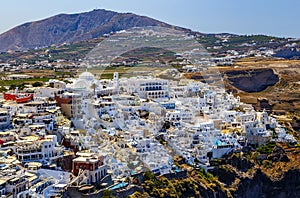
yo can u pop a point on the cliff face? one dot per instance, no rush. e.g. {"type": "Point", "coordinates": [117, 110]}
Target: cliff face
{"type": "Point", "coordinates": [252, 80]}
{"type": "Point", "coordinates": [258, 184]}
{"type": "Point", "coordinates": [276, 173]}
{"type": "Point", "coordinates": [262, 186]}
{"type": "Point", "coordinates": [68, 28]}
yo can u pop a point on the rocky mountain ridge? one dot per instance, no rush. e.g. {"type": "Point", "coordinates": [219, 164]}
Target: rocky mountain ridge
{"type": "Point", "coordinates": [70, 28]}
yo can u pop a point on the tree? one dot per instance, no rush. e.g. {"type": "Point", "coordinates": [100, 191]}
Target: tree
{"type": "Point", "coordinates": [107, 193]}
{"type": "Point", "coordinates": [51, 85]}
{"type": "Point", "coordinates": [94, 86]}
{"type": "Point", "coordinates": [127, 179]}
{"type": "Point", "coordinates": [12, 87]}
{"type": "Point", "coordinates": [3, 89]}
{"type": "Point", "coordinates": [37, 84]}
{"type": "Point", "coordinates": [148, 175]}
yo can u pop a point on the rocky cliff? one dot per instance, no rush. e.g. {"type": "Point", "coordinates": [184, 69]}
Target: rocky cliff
{"type": "Point", "coordinates": [262, 186]}
{"type": "Point", "coordinates": [270, 171]}
{"type": "Point", "coordinates": [252, 80]}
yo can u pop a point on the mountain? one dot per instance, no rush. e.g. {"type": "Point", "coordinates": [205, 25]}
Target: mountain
{"type": "Point", "coordinates": [69, 28]}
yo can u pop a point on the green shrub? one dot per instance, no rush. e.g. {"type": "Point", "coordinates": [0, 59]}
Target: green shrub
{"type": "Point", "coordinates": [267, 148]}
{"type": "Point", "coordinates": [267, 164]}
{"type": "Point", "coordinates": [37, 84]}
{"type": "Point", "coordinates": [148, 175]}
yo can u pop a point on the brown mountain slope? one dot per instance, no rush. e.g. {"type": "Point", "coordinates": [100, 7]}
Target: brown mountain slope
{"type": "Point", "coordinates": [68, 28]}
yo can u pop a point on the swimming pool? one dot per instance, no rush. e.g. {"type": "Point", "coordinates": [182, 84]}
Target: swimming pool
{"type": "Point", "coordinates": [134, 163]}
{"type": "Point", "coordinates": [219, 143]}
{"type": "Point", "coordinates": [119, 185]}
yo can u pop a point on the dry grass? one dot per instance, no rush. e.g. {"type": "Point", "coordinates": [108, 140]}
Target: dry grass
{"type": "Point", "coordinates": [279, 168]}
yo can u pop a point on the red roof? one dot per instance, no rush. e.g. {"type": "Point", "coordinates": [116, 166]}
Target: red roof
{"type": "Point", "coordinates": [1, 141]}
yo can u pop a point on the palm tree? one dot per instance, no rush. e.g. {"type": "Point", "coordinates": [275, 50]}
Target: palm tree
{"type": "Point", "coordinates": [94, 86]}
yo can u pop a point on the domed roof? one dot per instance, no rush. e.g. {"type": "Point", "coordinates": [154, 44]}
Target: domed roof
{"type": "Point", "coordinates": [86, 76]}
{"type": "Point", "coordinates": [81, 84]}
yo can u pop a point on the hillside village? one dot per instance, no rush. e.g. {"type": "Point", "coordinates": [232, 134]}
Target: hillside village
{"type": "Point", "coordinates": [69, 131]}
{"type": "Point", "coordinates": [99, 135]}
{"type": "Point", "coordinates": [108, 104]}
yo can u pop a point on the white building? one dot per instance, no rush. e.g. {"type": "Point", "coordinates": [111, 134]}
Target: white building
{"type": "Point", "coordinates": [147, 87]}
{"type": "Point", "coordinates": [40, 150]}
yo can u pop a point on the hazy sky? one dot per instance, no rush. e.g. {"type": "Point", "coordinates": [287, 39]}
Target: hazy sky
{"type": "Point", "coordinates": [271, 17]}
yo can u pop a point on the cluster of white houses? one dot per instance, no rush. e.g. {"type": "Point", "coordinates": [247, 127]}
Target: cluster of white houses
{"type": "Point", "coordinates": [86, 130]}
{"type": "Point", "coordinates": [198, 121]}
